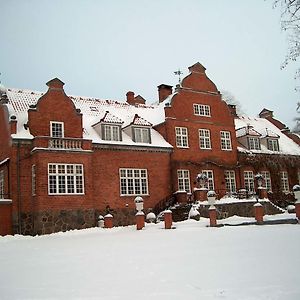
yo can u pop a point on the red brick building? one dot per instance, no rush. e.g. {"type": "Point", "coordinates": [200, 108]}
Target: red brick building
{"type": "Point", "coordinates": [65, 160]}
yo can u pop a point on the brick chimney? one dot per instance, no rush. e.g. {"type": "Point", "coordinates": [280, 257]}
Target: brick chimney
{"type": "Point", "coordinates": [232, 109]}
{"type": "Point", "coordinates": [130, 98]}
{"type": "Point", "coordinates": [265, 113]}
{"type": "Point", "coordinates": [164, 91]}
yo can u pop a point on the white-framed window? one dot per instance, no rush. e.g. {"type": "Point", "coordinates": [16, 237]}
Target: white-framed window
{"type": "Point", "coordinates": [284, 181]}
{"type": "Point", "coordinates": [204, 139]}
{"type": "Point", "coordinates": [65, 179]}
{"type": "Point", "coordinates": [181, 137]}
{"type": "Point", "coordinates": [1, 184]}
{"type": "Point", "coordinates": [253, 143]}
{"type": "Point", "coordinates": [210, 179]}
{"type": "Point", "coordinates": [184, 180]}
{"type": "Point", "coordinates": [230, 182]}
{"type": "Point", "coordinates": [225, 140]}
{"type": "Point", "coordinates": [142, 135]}
{"type": "Point", "coordinates": [267, 177]}
{"type": "Point", "coordinates": [249, 181]}
{"type": "Point", "coordinates": [273, 145]}
{"type": "Point", "coordinates": [111, 132]}
{"type": "Point", "coordinates": [57, 129]}
{"type": "Point", "coordinates": [33, 180]}
{"type": "Point", "coordinates": [202, 110]}
{"type": "Point", "coordinates": [133, 182]}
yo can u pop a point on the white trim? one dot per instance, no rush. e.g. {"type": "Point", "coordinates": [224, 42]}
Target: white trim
{"type": "Point", "coordinates": [183, 179]}
{"type": "Point", "coordinates": [4, 161]}
{"type": "Point", "coordinates": [181, 136]}
{"type": "Point", "coordinates": [206, 139]}
{"type": "Point", "coordinates": [204, 107]}
{"type": "Point", "coordinates": [62, 129]}
{"type": "Point", "coordinates": [226, 138]}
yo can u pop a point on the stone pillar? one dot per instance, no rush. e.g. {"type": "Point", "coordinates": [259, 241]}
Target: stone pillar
{"type": "Point", "coordinates": [259, 213]}
{"type": "Point", "coordinates": [200, 194]}
{"type": "Point", "coordinates": [297, 209]}
{"type": "Point", "coordinates": [140, 220]}
{"type": "Point", "coordinates": [5, 217]}
{"type": "Point", "coordinates": [108, 221]}
{"type": "Point", "coordinates": [168, 219]}
{"type": "Point", "coordinates": [262, 193]}
{"type": "Point", "coordinates": [181, 196]}
{"type": "Point", "coordinates": [212, 216]}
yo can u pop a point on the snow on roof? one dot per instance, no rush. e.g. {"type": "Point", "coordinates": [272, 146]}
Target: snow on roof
{"type": "Point", "coordinates": [93, 111]}
{"type": "Point", "coordinates": [267, 129]}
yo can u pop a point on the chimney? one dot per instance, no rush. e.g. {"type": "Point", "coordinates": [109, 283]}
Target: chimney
{"type": "Point", "coordinates": [232, 109]}
{"type": "Point", "coordinates": [265, 113]}
{"type": "Point", "coordinates": [13, 124]}
{"type": "Point", "coordinates": [130, 97]}
{"type": "Point", "coordinates": [164, 91]}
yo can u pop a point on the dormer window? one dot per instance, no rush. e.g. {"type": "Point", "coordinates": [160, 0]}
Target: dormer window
{"type": "Point", "coordinates": [273, 144]}
{"type": "Point", "coordinates": [253, 143]}
{"type": "Point", "coordinates": [111, 132]}
{"type": "Point", "coordinates": [202, 110]}
{"type": "Point", "coordinates": [141, 135]}
{"type": "Point", "coordinates": [56, 129]}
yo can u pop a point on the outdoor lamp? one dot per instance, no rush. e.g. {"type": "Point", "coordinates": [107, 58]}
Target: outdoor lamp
{"type": "Point", "coordinates": [139, 203]}
{"type": "Point", "coordinates": [211, 197]}
{"type": "Point", "coordinates": [296, 189]}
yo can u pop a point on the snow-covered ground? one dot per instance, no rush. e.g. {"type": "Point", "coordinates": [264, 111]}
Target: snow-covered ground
{"type": "Point", "coordinates": [190, 262]}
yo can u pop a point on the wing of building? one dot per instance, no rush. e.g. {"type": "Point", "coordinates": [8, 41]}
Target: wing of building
{"type": "Point", "coordinates": [65, 160]}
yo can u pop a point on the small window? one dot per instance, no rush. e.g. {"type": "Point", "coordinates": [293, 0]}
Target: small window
{"type": "Point", "coordinates": [204, 139]}
{"type": "Point", "coordinates": [202, 110]}
{"type": "Point", "coordinates": [267, 177]}
{"type": "Point", "coordinates": [254, 143]}
{"type": "Point", "coordinates": [181, 137]}
{"type": "Point", "coordinates": [249, 181]}
{"type": "Point", "coordinates": [142, 135]}
{"type": "Point", "coordinates": [273, 145]}
{"type": "Point", "coordinates": [133, 182]}
{"type": "Point", "coordinates": [183, 180]}
{"type": "Point", "coordinates": [1, 184]}
{"type": "Point", "coordinates": [210, 179]}
{"type": "Point", "coordinates": [230, 181]}
{"type": "Point", "coordinates": [93, 108]}
{"type": "Point", "coordinates": [284, 181]}
{"type": "Point", "coordinates": [33, 180]}
{"type": "Point", "coordinates": [111, 132]}
{"type": "Point", "coordinates": [57, 129]}
{"type": "Point", "coordinates": [225, 140]}
{"type": "Point", "coordinates": [65, 179]}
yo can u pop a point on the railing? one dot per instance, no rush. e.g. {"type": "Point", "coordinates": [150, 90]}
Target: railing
{"type": "Point", "coordinates": [59, 143]}
{"type": "Point", "coordinates": [164, 204]}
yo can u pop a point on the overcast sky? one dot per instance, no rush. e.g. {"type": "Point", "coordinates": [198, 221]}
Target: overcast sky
{"type": "Point", "coordinates": [106, 48]}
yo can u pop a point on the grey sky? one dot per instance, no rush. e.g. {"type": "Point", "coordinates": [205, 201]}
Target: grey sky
{"type": "Point", "coordinates": [106, 48]}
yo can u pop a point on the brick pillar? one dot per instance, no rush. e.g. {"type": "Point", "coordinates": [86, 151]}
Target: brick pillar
{"type": "Point", "coordinates": [212, 216]}
{"type": "Point", "coordinates": [5, 217]}
{"type": "Point", "coordinates": [259, 213]}
{"type": "Point", "coordinates": [262, 193]}
{"type": "Point", "coordinates": [297, 208]}
{"type": "Point", "coordinates": [181, 196]}
{"type": "Point", "coordinates": [108, 221]}
{"type": "Point", "coordinates": [140, 220]}
{"type": "Point", "coordinates": [168, 219]}
{"type": "Point", "coordinates": [200, 194]}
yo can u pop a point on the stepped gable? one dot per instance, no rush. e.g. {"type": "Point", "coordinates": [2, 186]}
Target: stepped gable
{"type": "Point", "coordinates": [197, 80]}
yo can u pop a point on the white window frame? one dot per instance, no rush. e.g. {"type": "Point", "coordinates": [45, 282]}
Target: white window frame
{"type": "Point", "coordinates": [273, 145]}
{"type": "Point", "coordinates": [33, 180]}
{"type": "Point", "coordinates": [202, 110]}
{"type": "Point", "coordinates": [254, 143]}
{"type": "Point", "coordinates": [230, 182]}
{"type": "Point", "coordinates": [225, 140]}
{"type": "Point", "coordinates": [111, 132]}
{"type": "Point", "coordinates": [267, 177]}
{"type": "Point", "coordinates": [210, 179]}
{"type": "Point", "coordinates": [142, 135]}
{"type": "Point", "coordinates": [182, 139]}
{"type": "Point", "coordinates": [133, 182]}
{"type": "Point", "coordinates": [1, 184]}
{"type": "Point", "coordinates": [183, 177]}
{"type": "Point", "coordinates": [284, 181]}
{"type": "Point", "coordinates": [65, 179]}
{"type": "Point", "coordinates": [204, 138]}
{"type": "Point", "coordinates": [249, 181]}
{"type": "Point", "coordinates": [54, 131]}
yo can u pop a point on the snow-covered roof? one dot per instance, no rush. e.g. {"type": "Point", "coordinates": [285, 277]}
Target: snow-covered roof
{"type": "Point", "coordinates": [266, 129]}
{"type": "Point", "coordinates": [93, 111]}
